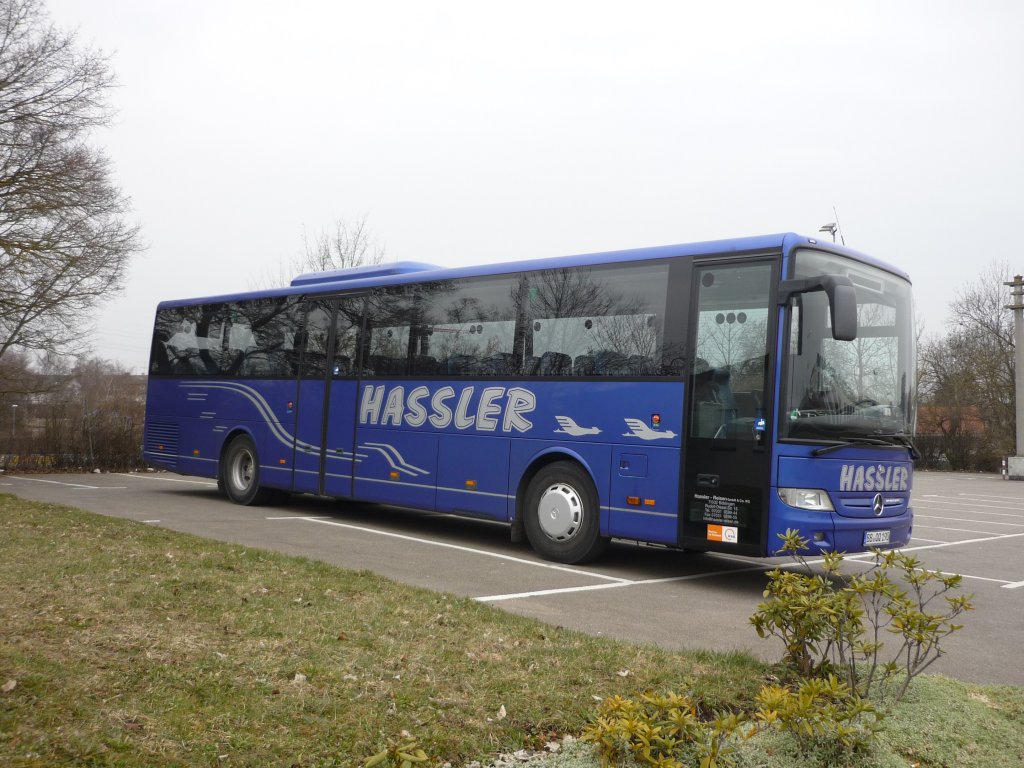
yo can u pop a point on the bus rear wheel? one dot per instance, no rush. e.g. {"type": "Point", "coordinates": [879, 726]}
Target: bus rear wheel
{"type": "Point", "coordinates": [240, 473]}
{"type": "Point", "coordinates": [561, 514]}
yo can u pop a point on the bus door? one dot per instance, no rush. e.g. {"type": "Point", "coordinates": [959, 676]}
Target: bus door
{"type": "Point", "coordinates": [726, 453]}
{"type": "Point", "coordinates": [325, 408]}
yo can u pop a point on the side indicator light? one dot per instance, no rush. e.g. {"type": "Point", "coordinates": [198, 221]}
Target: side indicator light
{"type": "Point", "coordinates": [471, 485]}
{"type": "Point", "coordinates": [649, 502]}
{"type": "Point", "coordinates": [282, 462]}
{"type": "Point", "coordinates": [633, 501]}
{"type": "Point", "coordinates": [393, 475]}
{"type": "Point", "coordinates": [195, 452]}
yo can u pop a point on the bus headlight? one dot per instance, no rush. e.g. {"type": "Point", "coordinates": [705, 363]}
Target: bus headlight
{"type": "Point", "coordinates": [807, 498]}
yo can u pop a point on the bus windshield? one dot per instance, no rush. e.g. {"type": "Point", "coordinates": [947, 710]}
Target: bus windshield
{"type": "Point", "coordinates": [860, 390]}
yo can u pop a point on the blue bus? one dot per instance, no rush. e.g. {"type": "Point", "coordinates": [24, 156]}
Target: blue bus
{"type": "Point", "coordinates": [706, 396]}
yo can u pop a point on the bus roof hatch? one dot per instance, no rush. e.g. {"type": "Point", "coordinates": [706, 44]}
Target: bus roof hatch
{"type": "Point", "coordinates": [362, 273]}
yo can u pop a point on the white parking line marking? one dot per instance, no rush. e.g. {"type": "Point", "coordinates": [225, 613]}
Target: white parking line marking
{"type": "Point", "coordinates": [624, 583]}
{"type": "Point", "coordinates": [470, 550]}
{"type": "Point", "coordinates": [985, 496]}
{"type": "Point", "coordinates": [299, 517]}
{"type": "Point", "coordinates": [1000, 582]}
{"type": "Point", "coordinates": [1014, 585]}
{"type": "Point", "coordinates": [962, 520]}
{"type": "Point", "coordinates": [614, 582]}
{"type": "Point", "coordinates": [169, 479]}
{"type": "Point", "coordinates": [958, 530]}
{"type": "Point", "coordinates": [997, 537]}
{"type": "Point", "coordinates": [983, 511]}
{"type": "Point", "coordinates": [861, 557]}
{"type": "Point", "coordinates": [545, 592]}
{"type": "Point", "coordinates": [73, 485]}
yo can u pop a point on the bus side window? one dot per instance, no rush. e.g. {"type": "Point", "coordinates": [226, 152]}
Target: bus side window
{"type": "Point", "coordinates": [316, 333]}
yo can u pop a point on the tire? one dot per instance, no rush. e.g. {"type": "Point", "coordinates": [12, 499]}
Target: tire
{"type": "Point", "coordinates": [562, 516]}
{"type": "Point", "coordinates": [240, 473]}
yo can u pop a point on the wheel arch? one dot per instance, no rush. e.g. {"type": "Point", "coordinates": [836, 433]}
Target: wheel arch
{"type": "Point", "coordinates": [535, 465]}
{"type": "Point", "coordinates": [229, 437]}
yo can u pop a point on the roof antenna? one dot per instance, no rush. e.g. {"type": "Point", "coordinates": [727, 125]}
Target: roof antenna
{"type": "Point", "coordinates": [839, 226]}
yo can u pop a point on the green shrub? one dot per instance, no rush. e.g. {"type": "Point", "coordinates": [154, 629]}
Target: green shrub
{"type": "Point", "coordinates": [823, 714]}
{"type": "Point", "coordinates": [661, 731]}
{"type": "Point", "coordinates": [833, 624]}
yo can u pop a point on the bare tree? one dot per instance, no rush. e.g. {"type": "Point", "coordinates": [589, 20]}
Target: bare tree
{"type": "Point", "coordinates": [349, 244]}
{"type": "Point", "coordinates": [949, 412]}
{"type": "Point", "coordinates": [966, 376]}
{"type": "Point", "coordinates": [64, 238]}
{"type": "Point", "coordinates": [17, 379]}
{"type": "Point", "coordinates": [980, 317]}
{"type": "Point", "coordinates": [88, 415]}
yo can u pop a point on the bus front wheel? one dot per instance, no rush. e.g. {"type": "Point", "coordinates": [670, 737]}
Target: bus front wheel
{"type": "Point", "coordinates": [240, 473]}
{"type": "Point", "coordinates": [561, 514]}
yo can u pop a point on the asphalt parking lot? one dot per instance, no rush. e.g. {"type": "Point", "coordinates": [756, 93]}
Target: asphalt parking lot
{"type": "Point", "coordinates": [967, 524]}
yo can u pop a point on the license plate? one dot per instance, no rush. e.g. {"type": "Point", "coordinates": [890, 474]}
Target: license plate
{"type": "Point", "coordinates": [874, 538]}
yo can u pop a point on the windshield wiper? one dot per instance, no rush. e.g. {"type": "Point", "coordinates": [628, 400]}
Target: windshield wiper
{"type": "Point", "coordinates": [890, 440]}
{"type": "Point", "coordinates": [848, 442]}
{"type": "Point", "coordinates": [908, 444]}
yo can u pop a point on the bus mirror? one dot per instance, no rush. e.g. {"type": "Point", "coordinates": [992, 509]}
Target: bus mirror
{"type": "Point", "coordinates": [842, 301]}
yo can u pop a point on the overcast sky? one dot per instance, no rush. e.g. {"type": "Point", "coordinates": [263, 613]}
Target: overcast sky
{"type": "Point", "coordinates": [481, 132]}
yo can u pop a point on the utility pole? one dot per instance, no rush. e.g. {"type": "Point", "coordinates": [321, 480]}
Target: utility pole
{"type": "Point", "coordinates": [1016, 463]}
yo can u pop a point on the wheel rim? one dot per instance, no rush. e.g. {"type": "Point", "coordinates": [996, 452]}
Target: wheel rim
{"type": "Point", "coordinates": [242, 471]}
{"type": "Point", "coordinates": [560, 512]}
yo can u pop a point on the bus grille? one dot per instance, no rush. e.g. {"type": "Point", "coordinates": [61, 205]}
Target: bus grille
{"type": "Point", "coordinates": [162, 441]}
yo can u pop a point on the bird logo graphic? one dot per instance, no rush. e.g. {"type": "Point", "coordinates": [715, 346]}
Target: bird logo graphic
{"type": "Point", "coordinates": [637, 428]}
{"type": "Point", "coordinates": [570, 427]}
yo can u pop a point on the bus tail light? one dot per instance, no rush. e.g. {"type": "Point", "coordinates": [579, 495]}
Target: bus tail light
{"type": "Point", "coordinates": [814, 499]}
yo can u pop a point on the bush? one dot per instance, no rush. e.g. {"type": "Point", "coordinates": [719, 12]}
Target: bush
{"type": "Point", "coordinates": [832, 627]}
{"type": "Point", "coordinates": [662, 731]}
{"type": "Point", "coordinates": [823, 714]}
{"type": "Point", "coordinates": [831, 624]}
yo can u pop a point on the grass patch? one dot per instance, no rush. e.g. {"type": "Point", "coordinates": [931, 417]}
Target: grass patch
{"type": "Point", "coordinates": [132, 645]}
